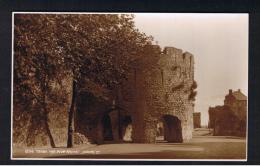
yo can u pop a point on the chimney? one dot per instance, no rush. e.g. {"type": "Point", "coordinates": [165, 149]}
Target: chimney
{"type": "Point", "coordinates": [238, 90]}
{"type": "Point", "coordinates": [230, 91]}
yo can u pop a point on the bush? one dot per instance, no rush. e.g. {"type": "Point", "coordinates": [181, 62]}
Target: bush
{"type": "Point", "coordinates": [193, 93]}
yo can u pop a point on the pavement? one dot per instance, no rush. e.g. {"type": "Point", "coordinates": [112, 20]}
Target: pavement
{"type": "Point", "coordinates": [202, 146]}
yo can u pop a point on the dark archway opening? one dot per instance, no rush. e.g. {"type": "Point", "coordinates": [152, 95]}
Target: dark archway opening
{"type": "Point", "coordinates": [89, 116]}
{"type": "Point", "coordinates": [107, 128]}
{"type": "Point", "coordinates": [172, 129]}
{"type": "Point", "coordinates": [169, 129]}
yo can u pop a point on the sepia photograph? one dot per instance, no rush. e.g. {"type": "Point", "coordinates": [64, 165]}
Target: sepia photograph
{"type": "Point", "coordinates": [129, 86]}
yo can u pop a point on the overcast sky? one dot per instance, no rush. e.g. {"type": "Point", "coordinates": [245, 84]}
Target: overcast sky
{"type": "Point", "coordinates": [219, 43]}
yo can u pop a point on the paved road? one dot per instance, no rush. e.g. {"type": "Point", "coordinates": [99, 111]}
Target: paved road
{"type": "Point", "coordinates": [200, 147]}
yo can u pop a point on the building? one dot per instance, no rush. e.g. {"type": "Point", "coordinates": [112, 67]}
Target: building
{"type": "Point", "coordinates": [230, 119]}
{"type": "Point", "coordinates": [237, 102]}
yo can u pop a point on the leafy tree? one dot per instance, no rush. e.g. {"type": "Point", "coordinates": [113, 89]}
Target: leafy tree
{"type": "Point", "coordinates": [96, 49]}
{"type": "Point", "coordinates": [193, 92]}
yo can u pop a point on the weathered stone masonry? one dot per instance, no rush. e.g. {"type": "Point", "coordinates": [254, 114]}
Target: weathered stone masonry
{"type": "Point", "coordinates": [157, 90]}
{"type": "Point", "coordinates": [161, 87]}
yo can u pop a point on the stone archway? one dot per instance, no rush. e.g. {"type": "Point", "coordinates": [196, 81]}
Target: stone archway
{"type": "Point", "coordinates": [160, 131]}
{"type": "Point", "coordinates": [127, 128]}
{"type": "Point", "coordinates": [172, 128]}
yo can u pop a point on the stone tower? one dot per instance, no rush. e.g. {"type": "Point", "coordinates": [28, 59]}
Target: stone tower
{"type": "Point", "coordinates": [159, 90]}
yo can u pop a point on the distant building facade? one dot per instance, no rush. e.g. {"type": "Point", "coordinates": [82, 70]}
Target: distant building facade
{"type": "Point", "coordinates": [230, 119]}
{"type": "Point", "coordinates": [196, 120]}
{"type": "Point", "coordinates": [237, 101]}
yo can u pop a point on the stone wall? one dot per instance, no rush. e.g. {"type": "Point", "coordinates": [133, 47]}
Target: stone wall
{"type": "Point", "coordinates": [157, 90]}
{"type": "Point", "coordinates": [196, 120]}
{"type": "Point", "coordinates": [161, 84]}
{"type": "Point", "coordinates": [225, 122]}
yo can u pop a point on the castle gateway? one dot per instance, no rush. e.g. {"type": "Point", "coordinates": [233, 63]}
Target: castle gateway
{"type": "Point", "coordinates": [156, 102]}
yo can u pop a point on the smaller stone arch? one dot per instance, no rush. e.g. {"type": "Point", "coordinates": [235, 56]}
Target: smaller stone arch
{"type": "Point", "coordinates": [159, 131]}
{"type": "Point", "coordinates": [127, 128]}
{"type": "Point", "coordinates": [172, 128]}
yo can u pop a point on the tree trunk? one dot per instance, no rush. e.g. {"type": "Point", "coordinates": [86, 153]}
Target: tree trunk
{"type": "Point", "coordinates": [45, 111]}
{"type": "Point", "coordinates": [47, 128]}
{"type": "Point", "coordinates": [39, 129]}
{"type": "Point", "coordinates": [45, 120]}
{"type": "Point", "coordinates": [71, 117]}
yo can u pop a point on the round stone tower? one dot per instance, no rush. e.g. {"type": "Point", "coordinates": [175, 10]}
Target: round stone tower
{"type": "Point", "coordinates": [159, 90]}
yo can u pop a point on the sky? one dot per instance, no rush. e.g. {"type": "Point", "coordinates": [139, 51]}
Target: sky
{"type": "Point", "coordinates": [219, 43]}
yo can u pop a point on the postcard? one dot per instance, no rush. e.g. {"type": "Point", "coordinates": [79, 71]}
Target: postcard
{"type": "Point", "coordinates": [129, 86]}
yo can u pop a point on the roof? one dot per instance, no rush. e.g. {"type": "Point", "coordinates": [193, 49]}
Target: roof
{"type": "Point", "coordinates": [239, 95]}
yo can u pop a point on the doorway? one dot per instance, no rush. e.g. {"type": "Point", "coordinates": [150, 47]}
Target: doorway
{"type": "Point", "coordinates": [107, 128]}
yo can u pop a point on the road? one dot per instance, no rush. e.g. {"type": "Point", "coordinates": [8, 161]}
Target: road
{"type": "Point", "coordinates": [200, 147]}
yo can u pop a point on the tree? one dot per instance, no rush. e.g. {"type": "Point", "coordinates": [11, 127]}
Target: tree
{"type": "Point", "coordinates": [193, 92]}
{"type": "Point", "coordinates": [97, 48]}
{"type": "Point", "coordinates": [34, 66]}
